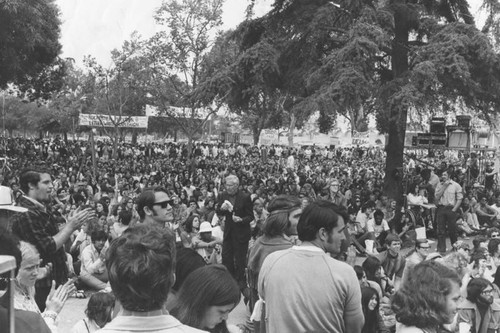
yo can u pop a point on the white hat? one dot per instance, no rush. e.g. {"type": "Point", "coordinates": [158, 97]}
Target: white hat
{"type": "Point", "coordinates": [205, 227]}
{"type": "Point", "coordinates": [6, 200]}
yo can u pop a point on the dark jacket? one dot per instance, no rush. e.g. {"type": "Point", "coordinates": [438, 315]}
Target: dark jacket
{"type": "Point", "coordinates": [243, 208]}
{"type": "Point", "coordinates": [38, 226]}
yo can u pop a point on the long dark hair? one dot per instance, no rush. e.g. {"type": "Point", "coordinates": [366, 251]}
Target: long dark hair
{"type": "Point", "coordinates": [207, 286]}
{"type": "Point", "coordinates": [371, 316]}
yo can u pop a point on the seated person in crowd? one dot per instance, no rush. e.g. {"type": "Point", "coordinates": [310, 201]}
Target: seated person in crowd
{"type": "Point", "coordinates": [93, 271]}
{"type": "Point", "coordinates": [392, 261]}
{"type": "Point", "coordinates": [207, 245]}
{"type": "Point", "coordinates": [378, 226]}
{"type": "Point", "coordinates": [485, 214]}
{"type": "Point", "coordinates": [124, 219]}
{"type": "Point", "coordinates": [99, 312]}
{"type": "Point", "coordinates": [362, 218]}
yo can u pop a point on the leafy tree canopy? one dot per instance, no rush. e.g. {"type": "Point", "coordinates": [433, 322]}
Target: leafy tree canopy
{"type": "Point", "coordinates": [29, 46]}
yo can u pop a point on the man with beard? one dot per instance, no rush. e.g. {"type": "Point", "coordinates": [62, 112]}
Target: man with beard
{"type": "Point", "coordinates": [479, 312]}
{"type": "Point", "coordinates": [39, 226]}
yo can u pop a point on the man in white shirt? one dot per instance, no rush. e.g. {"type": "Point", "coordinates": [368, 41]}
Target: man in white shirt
{"type": "Point", "coordinates": [377, 225]}
{"type": "Point", "coordinates": [331, 302]}
{"type": "Point", "coordinates": [496, 207]}
{"type": "Point", "coordinates": [93, 272]}
{"type": "Point", "coordinates": [449, 198]}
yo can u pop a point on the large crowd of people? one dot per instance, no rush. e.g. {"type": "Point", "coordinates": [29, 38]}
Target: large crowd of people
{"type": "Point", "coordinates": [305, 237]}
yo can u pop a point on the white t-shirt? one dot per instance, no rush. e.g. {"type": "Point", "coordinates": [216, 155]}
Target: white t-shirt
{"type": "Point", "coordinates": [377, 229]}
{"type": "Point", "coordinates": [362, 219]}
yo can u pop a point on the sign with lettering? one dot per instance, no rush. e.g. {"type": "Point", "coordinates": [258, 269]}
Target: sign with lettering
{"type": "Point", "coordinates": [104, 120]}
{"type": "Point", "coordinates": [360, 138]}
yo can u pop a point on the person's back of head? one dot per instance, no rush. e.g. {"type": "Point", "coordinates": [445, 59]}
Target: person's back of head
{"type": "Point", "coordinates": [100, 308]}
{"type": "Point", "coordinates": [317, 215]}
{"type": "Point", "coordinates": [187, 261]}
{"type": "Point", "coordinates": [141, 267]}
{"type": "Point", "coordinates": [278, 220]}
{"type": "Point", "coordinates": [371, 266]}
{"type": "Point", "coordinates": [125, 217]}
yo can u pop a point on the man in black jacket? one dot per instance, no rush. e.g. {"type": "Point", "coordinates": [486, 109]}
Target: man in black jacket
{"type": "Point", "coordinates": [236, 206]}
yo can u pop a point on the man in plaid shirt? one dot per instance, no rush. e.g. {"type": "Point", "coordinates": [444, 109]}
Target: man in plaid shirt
{"type": "Point", "coordinates": [38, 226]}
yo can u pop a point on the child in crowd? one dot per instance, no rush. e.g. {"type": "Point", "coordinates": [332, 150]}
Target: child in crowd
{"type": "Point", "coordinates": [99, 312]}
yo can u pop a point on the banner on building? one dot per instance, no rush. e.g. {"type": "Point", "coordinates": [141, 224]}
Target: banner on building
{"type": "Point", "coordinates": [103, 120]}
{"type": "Point", "coordinates": [360, 138]}
{"type": "Point", "coordinates": [178, 112]}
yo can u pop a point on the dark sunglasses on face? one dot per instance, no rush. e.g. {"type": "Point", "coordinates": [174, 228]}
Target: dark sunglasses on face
{"type": "Point", "coordinates": [163, 204]}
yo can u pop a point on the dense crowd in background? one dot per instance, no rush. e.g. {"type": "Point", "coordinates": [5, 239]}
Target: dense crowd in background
{"type": "Point", "coordinates": [446, 195]}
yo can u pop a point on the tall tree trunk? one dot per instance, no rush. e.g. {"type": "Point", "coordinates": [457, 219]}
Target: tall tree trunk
{"type": "Point", "coordinates": [256, 135]}
{"type": "Point", "coordinates": [293, 121]}
{"type": "Point", "coordinates": [393, 184]}
{"type": "Point", "coordinates": [357, 119]}
{"type": "Point", "coordinates": [189, 145]}
{"type": "Point", "coordinates": [190, 155]}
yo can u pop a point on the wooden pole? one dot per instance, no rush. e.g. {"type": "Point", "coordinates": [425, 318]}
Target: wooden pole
{"type": "Point", "coordinates": [92, 146]}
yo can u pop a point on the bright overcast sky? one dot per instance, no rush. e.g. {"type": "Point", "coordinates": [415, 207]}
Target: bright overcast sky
{"type": "Point", "coordinates": [96, 27]}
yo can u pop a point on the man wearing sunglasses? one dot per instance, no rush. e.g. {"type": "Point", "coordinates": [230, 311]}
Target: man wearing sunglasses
{"type": "Point", "coordinates": [155, 206]}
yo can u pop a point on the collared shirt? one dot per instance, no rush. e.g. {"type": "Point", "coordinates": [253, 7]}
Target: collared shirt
{"type": "Point", "coordinates": [451, 195]}
{"type": "Point", "coordinates": [39, 226]}
{"type": "Point", "coordinates": [307, 248]}
{"type": "Point", "coordinates": [157, 324]}
{"type": "Point", "coordinates": [91, 262]}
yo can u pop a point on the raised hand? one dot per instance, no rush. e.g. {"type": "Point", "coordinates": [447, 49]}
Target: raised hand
{"type": "Point", "coordinates": [57, 297]}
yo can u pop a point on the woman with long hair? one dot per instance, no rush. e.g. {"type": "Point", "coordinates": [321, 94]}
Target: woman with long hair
{"type": "Point", "coordinates": [206, 298]}
{"type": "Point", "coordinates": [428, 300]}
{"type": "Point", "coordinates": [189, 230]}
{"type": "Point", "coordinates": [373, 270]}
{"type": "Point", "coordinates": [370, 303]}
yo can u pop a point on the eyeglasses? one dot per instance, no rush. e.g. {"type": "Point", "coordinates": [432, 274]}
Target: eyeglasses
{"type": "Point", "coordinates": [163, 204]}
{"type": "Point", "coordinates": [495, 235]}
{"type": "Point", "coordinates": [487, 292]}
{"type": "Point", "coordinates": [425, 248]}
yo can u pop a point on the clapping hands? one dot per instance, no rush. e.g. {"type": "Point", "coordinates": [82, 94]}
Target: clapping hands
{"type": "Point", "coordinates": [57, 297]}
